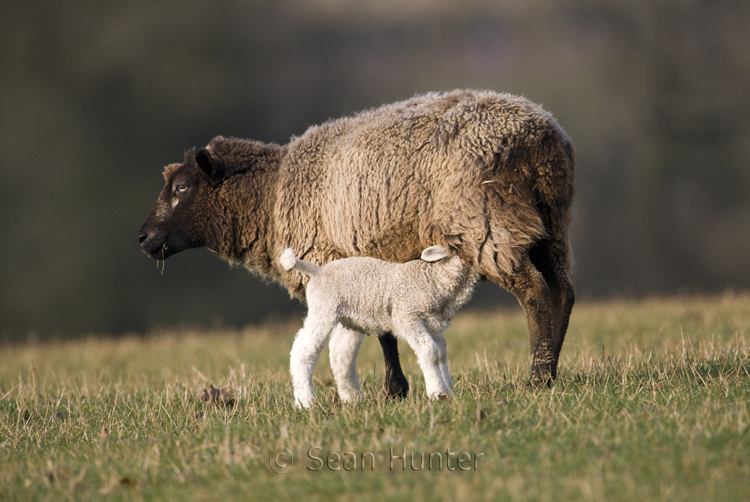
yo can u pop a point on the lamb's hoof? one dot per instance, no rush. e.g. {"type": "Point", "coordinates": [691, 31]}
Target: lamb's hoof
{"type": "Point", "coordinates": [542, 375]}
{"type": "Point", "coordinates": [396, 386]}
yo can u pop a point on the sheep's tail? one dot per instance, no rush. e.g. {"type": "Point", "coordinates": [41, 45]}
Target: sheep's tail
{"type": "Point", "coordinates": [289, 262]}
{"type": "Point", "coordinates": [554, 184]}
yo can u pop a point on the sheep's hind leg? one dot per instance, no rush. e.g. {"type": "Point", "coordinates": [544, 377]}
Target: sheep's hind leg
{"type": "Point", "coordinates": [344, 347]}
{"type": "Point", "coordinates": [550, 257]}
{"type": "Point", "coordinates": [308, 343]}
{"type": "Point", "coordinates": [530, 288]}
{"type": "Point", "coordinates": [428, 357]}
{"type": "Point", "coordinates": [395, 383]}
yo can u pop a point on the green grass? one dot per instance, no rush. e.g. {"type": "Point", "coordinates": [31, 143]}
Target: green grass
{"type": "Point", "coordinates": [651, 404]}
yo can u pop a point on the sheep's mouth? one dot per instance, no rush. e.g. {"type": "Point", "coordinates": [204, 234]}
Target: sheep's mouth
{"type": "Point", "coordinates": [161, 254]}
{"type": "Point", "coordinates": [158, 252]}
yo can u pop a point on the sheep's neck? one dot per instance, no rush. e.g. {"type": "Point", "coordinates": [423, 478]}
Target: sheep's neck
{"type": "Point", "coordinates": [240, 233]}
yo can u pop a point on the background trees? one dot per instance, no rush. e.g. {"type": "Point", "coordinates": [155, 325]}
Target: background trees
{"type": "Point", "coordinates": [96, 98]}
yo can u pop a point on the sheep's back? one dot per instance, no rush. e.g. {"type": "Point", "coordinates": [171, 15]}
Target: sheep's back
{"type": "Point", "coordinates": [434, 169]}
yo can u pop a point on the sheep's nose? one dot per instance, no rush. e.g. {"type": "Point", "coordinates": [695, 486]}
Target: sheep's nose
{"type": "Point", "coordinates": [142, 238]}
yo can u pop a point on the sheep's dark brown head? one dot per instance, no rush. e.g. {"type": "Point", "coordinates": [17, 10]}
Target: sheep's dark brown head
{"type": "Point", "coordinates": [179, 218]}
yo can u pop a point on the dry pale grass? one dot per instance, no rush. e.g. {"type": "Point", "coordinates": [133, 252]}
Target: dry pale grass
{"type": "Point", "coordinates": [651, 404]}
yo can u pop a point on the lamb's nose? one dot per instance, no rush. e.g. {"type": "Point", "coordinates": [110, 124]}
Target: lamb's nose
{"type": "Point", "coordinates": [142, 238]}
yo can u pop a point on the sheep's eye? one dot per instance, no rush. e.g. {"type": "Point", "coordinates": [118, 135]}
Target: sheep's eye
{"type": "Point", "coordinates": [181, 188]}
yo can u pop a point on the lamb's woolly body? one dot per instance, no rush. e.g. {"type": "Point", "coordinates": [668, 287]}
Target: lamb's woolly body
{"type": "Point", "coordinates": [369, 293]}
{"type": "Point", "coordinates": [415, 300]}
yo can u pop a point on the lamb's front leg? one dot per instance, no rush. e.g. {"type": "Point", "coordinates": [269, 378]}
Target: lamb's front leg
{"type": "Point", "coordinates": [443, 350]}
{"type": "Point", "coordinates": [308, 343]}
{"type": "Point", "coordinates": [344, 347]}
{"type": "Point", "coordinates": [428, 357]}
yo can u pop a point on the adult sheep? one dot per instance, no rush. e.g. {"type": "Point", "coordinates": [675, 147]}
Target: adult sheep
{"type": "Point", "coordinates": [488, 176]}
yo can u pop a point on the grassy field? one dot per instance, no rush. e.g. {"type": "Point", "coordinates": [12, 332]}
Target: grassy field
{"type": "Point", "coordinates": [651, 404]}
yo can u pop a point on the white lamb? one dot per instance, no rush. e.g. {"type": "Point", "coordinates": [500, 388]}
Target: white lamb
{"type": "Point", "coordinates": [351, 297]}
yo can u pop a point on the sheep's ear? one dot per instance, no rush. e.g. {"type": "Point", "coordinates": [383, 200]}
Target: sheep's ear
{"type": "Point", "coordinates": [435, 253]}
{"type": "Point", "coordinates": [213, 168]}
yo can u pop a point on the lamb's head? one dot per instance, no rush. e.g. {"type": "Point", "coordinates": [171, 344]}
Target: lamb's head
{"type": "Point", "coordinates": [178, 220]}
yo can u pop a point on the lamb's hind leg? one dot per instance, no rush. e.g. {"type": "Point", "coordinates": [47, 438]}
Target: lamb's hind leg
{"type": "Point", "coordinates": [308, 343]}
{"type": "Point", "coordinates": [344, 347]}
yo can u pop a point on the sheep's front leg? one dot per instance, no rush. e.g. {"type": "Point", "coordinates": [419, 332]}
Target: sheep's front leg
{"type": "Point", "coordinates": [428, 357]}
{"type": "Point", "coordinates": [344, 347]}
{"type": "Point", "coordinates": [394, 382]}
{"type": "Point", "coordinates": [443, 351]}
{"type": "Point", "coordinates": [308, 343]}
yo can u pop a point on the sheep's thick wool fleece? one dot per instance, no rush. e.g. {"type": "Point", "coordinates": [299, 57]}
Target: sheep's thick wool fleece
{"type": "Point", "coordinates": [369, 294]}
{"type": "Point", "coordinates": [483, 174]}
{"type": "Point", "coordinates": [464, 169]}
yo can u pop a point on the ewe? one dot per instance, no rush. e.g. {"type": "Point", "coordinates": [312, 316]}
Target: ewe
{"type": "Point", "coordinates": [488, 176]}
{"type": "Point", "coordinates": [351, 297]}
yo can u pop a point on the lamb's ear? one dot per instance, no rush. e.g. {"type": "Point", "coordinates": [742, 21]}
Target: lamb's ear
{"type": "Point", "coordinates": [435, 253]}
{"type": "Point", "coordinates": [212, 167]}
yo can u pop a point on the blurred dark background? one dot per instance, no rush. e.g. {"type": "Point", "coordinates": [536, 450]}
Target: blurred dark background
{"type": "Point", "coordinates": [97, 97]}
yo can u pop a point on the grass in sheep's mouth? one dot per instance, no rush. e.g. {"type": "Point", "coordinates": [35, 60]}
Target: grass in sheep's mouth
{"type": "Point", "coordinates": [652, 403]}
{"type": "Point", "coordinates": [163, 260]}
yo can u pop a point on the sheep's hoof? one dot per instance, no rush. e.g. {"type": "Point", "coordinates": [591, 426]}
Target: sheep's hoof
{"type": "Point", "coordinates": [396, 385]}
{"type": "Point", "coordinates": [542, 375]}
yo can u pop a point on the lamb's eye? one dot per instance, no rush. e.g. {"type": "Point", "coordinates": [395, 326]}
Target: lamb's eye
{"type": "Point", "coordinates": [181, 188]}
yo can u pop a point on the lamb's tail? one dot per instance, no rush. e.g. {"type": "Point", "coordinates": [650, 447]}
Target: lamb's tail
{"type": "Point", "coordinates": [289, 262]}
